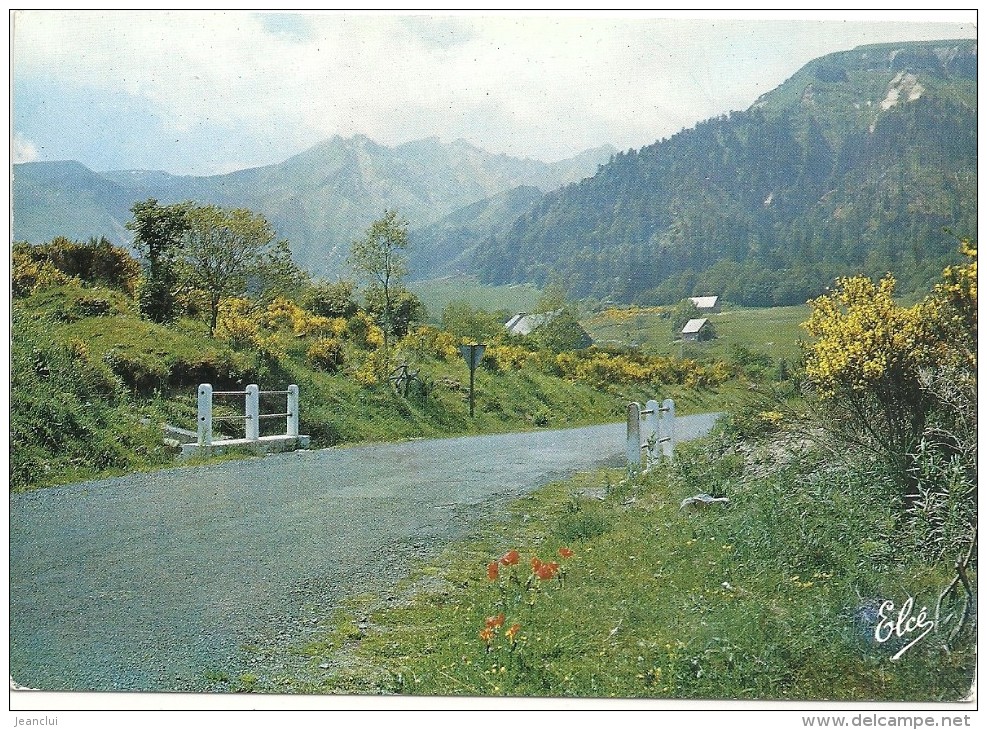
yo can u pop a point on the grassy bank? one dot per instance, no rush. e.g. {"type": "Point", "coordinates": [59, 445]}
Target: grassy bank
{"type": "Point", "coordinates": [92, 382]}
{"type": "Point", "coordinates": [776, 595]}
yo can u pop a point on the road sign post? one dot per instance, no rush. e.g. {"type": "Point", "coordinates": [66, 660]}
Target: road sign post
{"type": "Point", "coordinates": [472, 354]}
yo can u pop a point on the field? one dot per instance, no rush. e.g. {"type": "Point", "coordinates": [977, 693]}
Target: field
{"type": "Point", "coordinates": [437, 293]}
{"type": "Point", "coordinates": [772, 331]}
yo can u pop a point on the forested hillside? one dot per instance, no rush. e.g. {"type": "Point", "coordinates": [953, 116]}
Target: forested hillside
{"type": "Point", "coordinates": [856, 163]}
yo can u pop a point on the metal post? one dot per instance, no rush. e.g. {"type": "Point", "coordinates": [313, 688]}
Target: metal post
{"type": "Point", "coordinates": [666, 428]}
{"type": "Point", "coordinates": [472, 354]}
{"type": "Point", "coordinates": [472, 376]}
{"type": "Point", "coordinates": [251, 412]}
{"type": "Point", "coordinates": [205, 414]}
{"type": "Point", "coordinates": [292, 409]}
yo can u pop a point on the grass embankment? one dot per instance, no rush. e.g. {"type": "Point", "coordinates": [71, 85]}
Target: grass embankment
{"type": "Point", "coordinates": [775, 596]}
{"type": "Point", "coordinates": [92, 382]}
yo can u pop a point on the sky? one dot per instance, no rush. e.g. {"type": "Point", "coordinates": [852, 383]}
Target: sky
{"type": "Point", "coordinates": [209, 92]}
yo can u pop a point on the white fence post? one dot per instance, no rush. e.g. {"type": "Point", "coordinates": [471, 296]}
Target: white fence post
{"type": "Point", "coordinates": [205, 414]}
{"type": "Point", "coordinates": [666, 428]}
{"type": "Point", "coordinates": [292, 426]}
{"type": "Point", "coordinates": [649, 433]}
{"type": "Point", "coordinates": [634, 437]}
{"type": "Point", "coordinates": [251, 412]}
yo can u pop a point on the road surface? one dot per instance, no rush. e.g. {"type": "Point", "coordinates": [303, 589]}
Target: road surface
{"type": "Point", "coordinates": [153, 581]}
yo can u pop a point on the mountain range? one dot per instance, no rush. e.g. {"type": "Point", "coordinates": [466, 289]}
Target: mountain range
{"type": "Point", "coordinates": [319, 200]}
{"type": "Point", "coordinates": [858, 162]}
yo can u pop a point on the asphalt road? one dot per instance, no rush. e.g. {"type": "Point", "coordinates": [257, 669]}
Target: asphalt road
{"type": "Point", "coordinates": [151, 582]}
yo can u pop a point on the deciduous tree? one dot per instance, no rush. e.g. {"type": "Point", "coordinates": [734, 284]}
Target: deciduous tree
{"type": "Point", "coordinates": [378, 256]}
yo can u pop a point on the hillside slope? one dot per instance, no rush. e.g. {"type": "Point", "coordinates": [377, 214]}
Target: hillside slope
{"type": "Point", "coordinates": [857, 162]}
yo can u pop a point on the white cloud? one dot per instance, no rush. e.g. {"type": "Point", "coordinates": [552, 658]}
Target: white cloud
{"type": "Point", "coordinates": [527, 84]}
{"type": "Point", "coordinates": [23, 149]}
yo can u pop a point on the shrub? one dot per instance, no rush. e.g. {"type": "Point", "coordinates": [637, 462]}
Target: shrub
{"type": "Point", "coordinates": [505, 358]}
{"type": "Point", "coordinates": [330, 299]}
{"type": "Point", "coordinates": [236, 323]}
{"type": "Point", "coordinates": [364, 332]}
{"type": "Point", "coordinates": [869, 367]}
{"type": "Point", "coordinates": [865, 362]}
{"type": "Point", "coordinates": [95, 262]}
{"type": "Point", "coordinates": [326, 354]}
{"type": "Point", "coordinates": [426, 341]}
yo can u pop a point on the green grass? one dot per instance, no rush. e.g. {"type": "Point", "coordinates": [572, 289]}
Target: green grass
{"type": "Point", "coordinates": [773, 331]}
{"type": "Point", "coordinates": [773, 597]}
{"type": "Point", "coordinates": [437, 293]}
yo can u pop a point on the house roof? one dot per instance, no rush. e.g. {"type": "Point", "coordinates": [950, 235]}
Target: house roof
{"type": "Point", "coordinates": [694, 325]}
{"type": "Point", "coordinates": [704, 302]}
{"type": "Point", "coordinates": [523, 323]}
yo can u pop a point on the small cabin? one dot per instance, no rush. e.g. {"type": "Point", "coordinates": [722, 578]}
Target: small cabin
{"type": "Point", "coordinates": [695, 330]}
{"type": "Point", "coordinates": [706, 304]}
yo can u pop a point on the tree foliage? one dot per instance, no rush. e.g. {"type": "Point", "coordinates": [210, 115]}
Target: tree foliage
{"type": "Point", "coordinates": [222, 249]}
{"type": "Point", "coordinates": [158, 232]}
{"type": "Point", "coordinates": [330, 299]}
{"type": "Point", "coordinates": [378, 255]}
{"type": "Point", "coordinates": [470, 323]}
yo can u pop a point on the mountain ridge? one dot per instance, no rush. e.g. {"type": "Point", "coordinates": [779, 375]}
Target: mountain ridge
{"type": "Point", "coordinates": [845, 167]}
{"type": "Point", "coordinates": [319, 199]}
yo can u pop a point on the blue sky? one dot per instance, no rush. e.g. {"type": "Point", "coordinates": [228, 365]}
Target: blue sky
{"type": "Point", "coordinates": [209, 92]}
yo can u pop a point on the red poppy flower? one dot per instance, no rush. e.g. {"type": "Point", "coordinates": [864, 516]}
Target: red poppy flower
{"type": "Point", "coordinates": [493, 572]}
{"type": "Point", "coordinates": [565, 552]}
{"type": "Point", "coordinates": [535, 564]}
{"type": "Point", "coordinates": [494, 622]}
{"type": "Point", "coordinates": [487, 635]}
{"type": "Point", "coordinates": [511, 557]}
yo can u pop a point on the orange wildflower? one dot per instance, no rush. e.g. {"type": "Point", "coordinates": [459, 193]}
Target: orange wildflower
{"type": "Point", "coordinates": [487, 635]}
{"type": "Point", "coordinates": [511, 557]}
{"type": "Point", "coordinates": [565, 552]}
{"type": "Point", "coordinates": [494, 622]}
{"type": "Point", "coordinates": [546, 571]}
{"type": "Point", "coordinates": [535, 564]}
{"type": "Point", "coordinates": [512, 632]}
{"type": "Point", "coordinates": [493, 572]}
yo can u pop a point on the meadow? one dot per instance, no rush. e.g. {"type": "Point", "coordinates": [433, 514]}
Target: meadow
{"type": "Point", "coordinates": [772, 331]}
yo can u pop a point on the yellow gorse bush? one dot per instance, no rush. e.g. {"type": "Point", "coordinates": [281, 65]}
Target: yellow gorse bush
{"type": "Point", "coordinates": [236, 322]}
{"type": "Point", "coordinates": [505, 358]}
{"type": "Point", "coordinates": [864, 337]}
{"type": "Point", "coordinates": [427, 341]}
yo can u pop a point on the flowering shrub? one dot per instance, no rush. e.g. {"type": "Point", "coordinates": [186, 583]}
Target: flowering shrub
{"type": "Point", "coordinates": [236, 323]}
{"type": "Point", "coordinates": [426, 341]}
{"type": "Point", "coordinates": [601, 369]}
{"type": "Point", "coordinates": [865, 340]}
{"type": "Point", "coordinates": [326, 354]}
{"type": "Point", "coordinates": [871, 356]}
{"type": "Point", "coordinates": [373, 369]}
{"type": "Point", "coordinates": [505, 358]}
{"type": "Point", "coordinates": [364, 332]}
